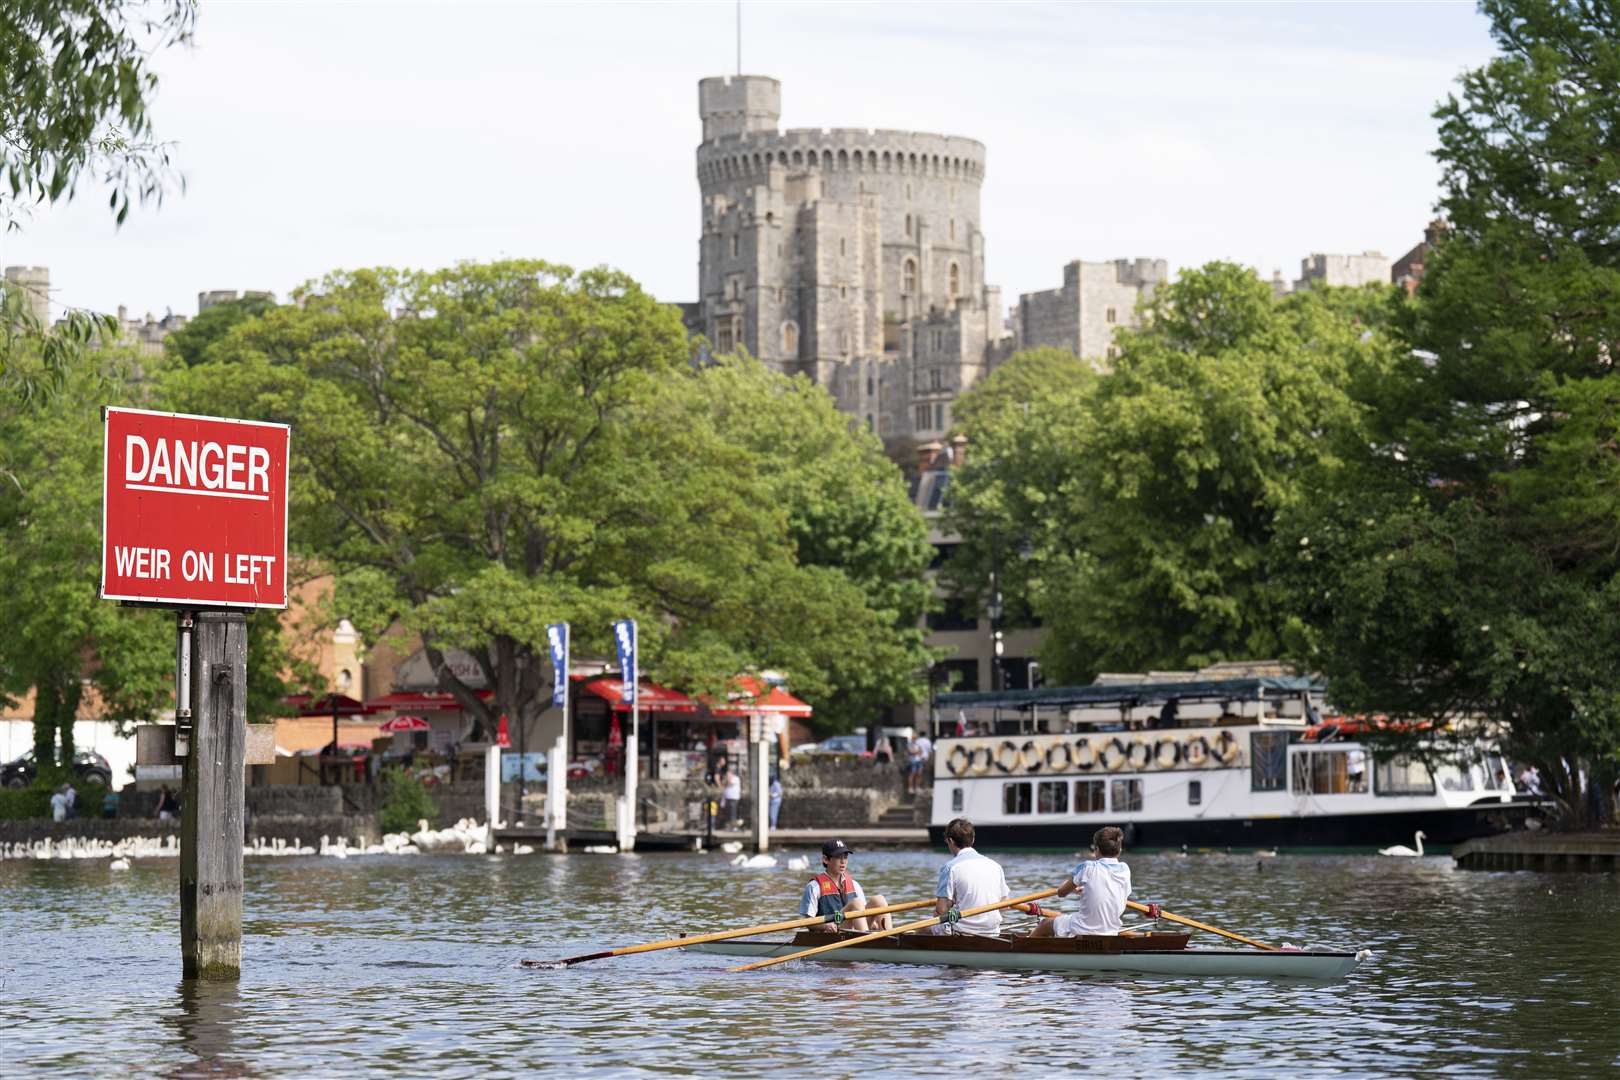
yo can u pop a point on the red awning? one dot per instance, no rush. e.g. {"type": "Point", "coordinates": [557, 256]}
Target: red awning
{"type": "Point", "coordinates": [654, 698]}
{"type": "Point", "coordinates": [328, 705]}
{"type": "Point", "coordinates": [413, 700]}
{"type": "Point", "coordinates": [746, 697]}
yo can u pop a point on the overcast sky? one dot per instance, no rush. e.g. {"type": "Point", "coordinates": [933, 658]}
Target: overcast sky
{"type": "Point", "coordinates": [320, 136]}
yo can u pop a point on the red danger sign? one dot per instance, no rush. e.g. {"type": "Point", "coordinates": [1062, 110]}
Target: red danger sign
{"type": "Point", "coordinates": [194, 510]}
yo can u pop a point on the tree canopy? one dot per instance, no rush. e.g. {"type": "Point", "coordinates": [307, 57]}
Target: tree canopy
{"type": "Point", "coordinates": [482, 450]}
{"type": "Point", "coordinates": [1467, 564]}
{"type": "Point", "coordinates": [1144, 501]}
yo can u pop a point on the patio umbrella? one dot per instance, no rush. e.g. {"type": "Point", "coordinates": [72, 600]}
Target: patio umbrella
{"type": "Point", "coordinates": [405, 723]}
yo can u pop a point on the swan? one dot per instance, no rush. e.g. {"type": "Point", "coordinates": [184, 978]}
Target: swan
{"type": "Point", "coordinates": [754, 862]}
{"type": "Point", "coordinates": [118, 864]}
{"type": "Point", "coordinates": [798, 862]}
{"type": "Point", "coordinates": [1403, 851]}
{"type": "Point", "coordinates": [731, 847]}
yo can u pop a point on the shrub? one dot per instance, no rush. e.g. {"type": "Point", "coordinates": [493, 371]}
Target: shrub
{"type": "Point", "coordinates": [404, 802]}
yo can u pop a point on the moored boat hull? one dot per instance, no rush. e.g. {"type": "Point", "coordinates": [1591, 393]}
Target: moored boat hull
{"type": "Point", "coordinates": [1223, 963]}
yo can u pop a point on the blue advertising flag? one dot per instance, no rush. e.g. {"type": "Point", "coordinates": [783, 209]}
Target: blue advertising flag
{"type": "Point", "coordinates": [557, 638]}
{"type": "Point", "coordinates": [624, 635]}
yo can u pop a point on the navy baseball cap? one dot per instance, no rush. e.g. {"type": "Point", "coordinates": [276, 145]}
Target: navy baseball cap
{"type": "Point", "coordinates": [834, 848]}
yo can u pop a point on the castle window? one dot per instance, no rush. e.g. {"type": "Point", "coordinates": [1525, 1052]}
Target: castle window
{"type": "Point", "coordinates": [843, 342]}
{"type": "Point", "coordinates": [843, 248]}
{"type": "Point", "coordinates": [857, 160]}
{"type": "Point", "coordinates": [908, 192]}
{"type": "Point", "coordinates": [843, 159]}
{"type": "Point", "coordinates": [935, 381]}
{"type": "Point", "coordinates": [843, 292]}
{"type": "Point", "coordinates": [1113, 351]}
{"type": "Point", "coordinates": [798, 157]}
{"type": "Point", "coordinates": [956, 282]}
{"type": "Point", "coordinates": [921, 418]}
{"type": "Point", "coordinates": [870, 390]}
{"type": "Point", "coordinates": [908, 278]}
{"type": "Point", "coordinates": [908, 224]}
{"type": "Point", "coordinates": [734, 241]}
{"type": "Point", "coordinates": [723, 339]}
{"type": "Point", "coordinates": [939, 417]}
{"type": "Point", "coordinates": [779, 294]}
{"type": "Point", "coordinates": [1108, 316]}
{"type": "Point", "coordinates": [790, 338]}
{"type": "Point", "coordinates": [953, 228]}
{"type": "Point", "coordinates": [885, 161]}
{"type": "Point", "coordinates": [869, 425]}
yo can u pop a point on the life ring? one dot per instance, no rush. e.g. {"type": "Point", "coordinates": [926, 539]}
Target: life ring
{"type": "Point", "coordinates": [1226, 748]}
{"type": "Point", "coordinates": [1053, 754]}
{"type": "Point", "coordinates": [980, 760]}
{"type": "Point", "coordinates": [1002, 761]}
{"type": "Point", "coordinates": [1138, 763]}
{"type": "Point", "coordinates": [1085, 757]}
{"type": "Point", "coordinates": [1195, 751]}
{"type": "Point", "coordinates": [1113, 755]}
{"type": "Point", "coordinates": [1034, 760]}
{"type": "Point", "coordinates": [958, 760]}
{"type": "Point", "coordinates": [1167, 753]}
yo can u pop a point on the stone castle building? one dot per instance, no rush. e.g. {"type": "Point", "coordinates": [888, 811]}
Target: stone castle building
{"type": "Point", "coordinates": [856, 258]}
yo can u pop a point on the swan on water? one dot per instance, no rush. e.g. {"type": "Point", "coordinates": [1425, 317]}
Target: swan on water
{"type": "Point", "coordinates": [118, 864]}
{"type": "Point", "coordinates": [1404, 851]}
{"type": "Point", "coordinates": [798, 862]}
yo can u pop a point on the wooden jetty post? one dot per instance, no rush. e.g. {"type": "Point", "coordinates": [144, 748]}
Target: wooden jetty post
{"type": "Point", "coordinates": [762, 783]}
{"type": "Point", "coordinates": [211, 830]}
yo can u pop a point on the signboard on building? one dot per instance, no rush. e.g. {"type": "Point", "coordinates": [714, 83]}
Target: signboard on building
{"type": "Point", "coordinates": [194, 510]}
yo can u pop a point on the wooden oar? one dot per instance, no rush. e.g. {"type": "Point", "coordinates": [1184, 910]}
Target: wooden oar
{"type": "Point", "coordinates": [1196, 925]}
{"type": "Point", "coordinates": [920, 925]}
{"type": "Point", "coordinates": [675, 943]}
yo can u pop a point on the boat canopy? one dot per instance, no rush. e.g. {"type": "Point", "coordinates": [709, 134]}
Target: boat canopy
{"type": "Point", "coordinates": [1141, 693]}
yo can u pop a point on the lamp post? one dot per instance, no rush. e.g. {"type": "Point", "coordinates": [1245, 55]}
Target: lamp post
{"type": "Point", "coordinates": [993, 609]}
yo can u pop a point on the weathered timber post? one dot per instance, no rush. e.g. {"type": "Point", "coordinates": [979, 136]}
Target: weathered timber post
{"type": "Point", "coordinates": [762, 783]}
{"type": "Point", "coordinates": [211, 818]}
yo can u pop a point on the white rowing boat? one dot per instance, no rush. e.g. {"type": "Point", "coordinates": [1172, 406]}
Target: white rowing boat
{"type": "Point", "coordinates": [1155, 954]}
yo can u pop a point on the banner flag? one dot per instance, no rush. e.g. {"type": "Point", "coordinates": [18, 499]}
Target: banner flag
{"type": "Point", "coordinates": [557, 638]}
{"type": "Point", "coordinates": [624, 635]}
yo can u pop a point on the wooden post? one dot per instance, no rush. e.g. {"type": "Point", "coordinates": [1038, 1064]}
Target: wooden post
{"type": "Point", "coordinates": [211, 817]}
{"type": "Point", "coordinates": [762, 784]}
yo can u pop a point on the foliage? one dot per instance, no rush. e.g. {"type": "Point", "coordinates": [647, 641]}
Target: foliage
{"type": "Point", "coordinates": [56, 636]}
{"type": "Point", "coordinates": [405, 801]}
{"type": "Point", "coordinates": [190, 344]}
{"type": "Point", "coordinates": [1476, 546]}
{"type": "Point", "coordinates": [34, 801]}
{"type": "Point", "coordinates": [1143, 502]}
{"type": "Point", "coordinates": [485, 449]}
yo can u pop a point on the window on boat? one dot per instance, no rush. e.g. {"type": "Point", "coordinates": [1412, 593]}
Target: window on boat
{"type": "Point", "coordinates": [956, 800]}
{"type": "Point", "coordinates": [1454, 779]}
{"type": "Point", "coordinates": [1331, 772]}
{"type": "Point", "coordinates": [1495, 776]}
{"type": "Point", "coordinates": [1015, 798]}
{"type": "Point", "coordinates": [1090, 796]}
{"type": "Point", "coordinates": [1052, 797]}
{"type": "Point", "coordinates": [1125, 795]}
{"type": "Point", "coordinates": [1195, 792]}
{"type": "Point", "coordinates": [1402, 775]}
{"type": "Point", "coordinates": [1268, 761]}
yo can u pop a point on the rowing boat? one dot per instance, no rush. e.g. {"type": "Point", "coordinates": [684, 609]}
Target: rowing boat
{"type": "Point", "coordinates": [1149, 954]}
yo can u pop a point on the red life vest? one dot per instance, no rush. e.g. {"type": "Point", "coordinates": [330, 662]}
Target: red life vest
{"type": "Point", "coordinates": [832, 900]}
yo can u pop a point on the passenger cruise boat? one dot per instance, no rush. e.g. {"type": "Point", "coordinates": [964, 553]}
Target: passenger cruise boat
{"type": "Point", "coordinates": [1205, 760]}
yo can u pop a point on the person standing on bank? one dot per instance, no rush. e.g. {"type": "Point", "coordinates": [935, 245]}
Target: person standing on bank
{"type": "Point", "coordinates": [775, 794]}
{"type": "Point", "coordinates": [968, 880]}
{"type": "Point", "coordinates": [834, 890]}
{"type": "Point", "coordinates": [731, 795]}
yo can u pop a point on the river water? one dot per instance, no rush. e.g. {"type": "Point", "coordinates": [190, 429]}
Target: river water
{"type": "Point", "coordinates": [407, 965]}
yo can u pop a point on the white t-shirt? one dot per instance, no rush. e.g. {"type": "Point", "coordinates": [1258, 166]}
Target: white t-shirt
{"type": "Point", "coordinates": [970, 880]}
{"type": "Point", "coordinates": [733, 787]}
{"type": "Point", "coordinates": [1105, 886]}
{"type": "Point", "coordinates": [921, 748]}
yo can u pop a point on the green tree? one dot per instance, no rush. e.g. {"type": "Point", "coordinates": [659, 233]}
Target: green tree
{"type": "Point", "coordinates": [1147, 500]}
{"type": "Point", "coordinates": [77, 79]}
{"type": "Point", "coordinates": [1473, 568]}
{"type": "Point", "coordinates": [56, 636]}
{"type": "Point", "coordinates": [191, 343]}
{"type": "Point", "coordinates": [485, 449]}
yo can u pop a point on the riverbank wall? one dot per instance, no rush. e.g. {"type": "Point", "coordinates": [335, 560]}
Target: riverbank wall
{"type": "Point", "coordinates": [1526, 850]}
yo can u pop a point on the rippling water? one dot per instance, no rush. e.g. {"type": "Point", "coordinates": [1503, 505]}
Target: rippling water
{"type": "Point", "coordinates": [407, 965]}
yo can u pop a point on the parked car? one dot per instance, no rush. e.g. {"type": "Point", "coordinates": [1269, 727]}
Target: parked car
{"type": "Point", "coordinates": [89, 767]}
{"type": "Point", "coordinates": [849, 745]}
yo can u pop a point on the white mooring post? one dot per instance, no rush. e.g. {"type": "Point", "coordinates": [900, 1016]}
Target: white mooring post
{"type": "Point", "coordinates": [557, 788]}
{"type": "Point", "coordinates": [492, 791]}
{"type": "Point", "coordinates": [762, 784]}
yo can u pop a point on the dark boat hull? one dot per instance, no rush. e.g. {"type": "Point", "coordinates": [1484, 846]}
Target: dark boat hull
{"type": "Point", "coordinates": [1441, 827]}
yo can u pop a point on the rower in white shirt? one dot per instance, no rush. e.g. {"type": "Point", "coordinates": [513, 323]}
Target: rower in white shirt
{"type": "Point", "coordinates": [968, 880]}
{"type": "Point", "coordinates": [1104, 884]}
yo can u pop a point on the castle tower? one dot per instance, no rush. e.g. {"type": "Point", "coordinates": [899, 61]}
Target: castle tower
{"type": "Point", "coordinates": [821, 248]}
{"type": "Point", "coordinates": [34, 282]}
